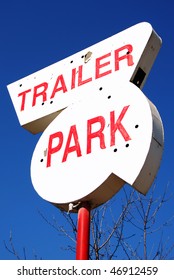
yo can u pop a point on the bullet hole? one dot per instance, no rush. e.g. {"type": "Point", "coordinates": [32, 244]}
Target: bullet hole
{"type": "Point", "coordinates": [71, 61]}
{"type": "Point", "coordinates": [51, 102]}
{"type": "Point", "coordinates": [43, 103]}
{"type": "Point", "coordinates": [20, 85]}
{"type": "Point", "coordinates": [127, 145]}
{"type": "Point", "coordinates": [41, 160]}
{"type": "Point", "coordinates": [115, 150]}
{"type": "Point", "coordinates": [100, 88]}
{"type": "Point", "coordinates": [136, 126]}
{"type": "Point", "coordinates": [109, 96]}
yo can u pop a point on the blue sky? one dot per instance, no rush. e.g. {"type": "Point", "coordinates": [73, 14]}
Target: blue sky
{"type": "Point", "coordinates": [35, 34]}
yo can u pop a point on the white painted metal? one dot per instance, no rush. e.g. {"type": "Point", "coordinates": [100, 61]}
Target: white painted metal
{"type": "Point", "coordinates": [93, 165]}
{"type": "Point", "coordinates": [128, 56]}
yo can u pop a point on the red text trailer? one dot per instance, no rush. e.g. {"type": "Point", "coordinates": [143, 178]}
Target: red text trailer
{"type": "Point", "coordinates": [102, 67]}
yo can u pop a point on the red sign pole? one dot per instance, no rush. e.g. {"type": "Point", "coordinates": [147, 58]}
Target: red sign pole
{"type": "Point", "coordinates": [83, 232]}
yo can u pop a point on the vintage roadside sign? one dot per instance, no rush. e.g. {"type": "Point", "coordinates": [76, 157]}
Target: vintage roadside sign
{"type": "Point", "coordinates": [99, 130]}
{"type": "Point", "coordinates": [128, 55]}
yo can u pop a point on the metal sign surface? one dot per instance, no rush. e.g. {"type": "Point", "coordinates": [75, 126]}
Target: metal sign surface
{"type": "Point", "coordinates": [89, 154]}
{"type": "Point", "coordinates": [128, 55]}
{"type": "Point", "coordinates": [99, 129]}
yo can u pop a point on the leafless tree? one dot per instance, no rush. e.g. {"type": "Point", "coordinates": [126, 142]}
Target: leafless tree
{"type": "Point", "coordinates": [129, 226]}
{"type": "Point", "coordinates": [11, 248]}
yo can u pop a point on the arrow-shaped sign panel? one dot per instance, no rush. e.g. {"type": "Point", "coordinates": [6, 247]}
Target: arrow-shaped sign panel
{"type": "Point", "coordinates": [41, 96]}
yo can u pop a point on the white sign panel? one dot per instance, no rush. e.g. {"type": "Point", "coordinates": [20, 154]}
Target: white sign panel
{"type": "Point", "coordinates": [128, 56]}
{"type": "Point", "coordinates": [97, 145]}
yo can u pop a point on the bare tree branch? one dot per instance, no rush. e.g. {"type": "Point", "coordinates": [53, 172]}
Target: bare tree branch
{"type": "Point", "coordinates": [126, 233]}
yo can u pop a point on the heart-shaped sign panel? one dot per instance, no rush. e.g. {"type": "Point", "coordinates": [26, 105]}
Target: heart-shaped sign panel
{"type": "Point", "coordinates": [98, 144]}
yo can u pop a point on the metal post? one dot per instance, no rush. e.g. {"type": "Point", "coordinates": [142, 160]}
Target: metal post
{"type": "Point", "coordinates": [83, 232]}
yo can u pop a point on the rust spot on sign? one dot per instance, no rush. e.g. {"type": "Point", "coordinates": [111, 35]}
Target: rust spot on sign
{"type": "Point", "coordinates": [87, 57]}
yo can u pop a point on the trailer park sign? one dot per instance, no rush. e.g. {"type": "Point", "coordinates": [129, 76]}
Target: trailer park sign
{"type": "Point", "coordinates": [99, 129]}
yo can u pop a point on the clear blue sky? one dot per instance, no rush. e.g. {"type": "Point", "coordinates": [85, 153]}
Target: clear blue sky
{"type": "Point", "coordinates": [35, 34]}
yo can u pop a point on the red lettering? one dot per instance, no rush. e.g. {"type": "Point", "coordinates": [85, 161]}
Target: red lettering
{"type": "Point", "coordinates": [76, 148]}
{"type": "Point", "coordinates": [73, 78]}
{"type": "Point", "coordinates": [127, 56]}
{"type": "Point", "coordinates": [80, 79]}
{"type": "Point", "coordinates": [102, 68]}
{"type": "Point", "coordinates": [51, 149]}
{"type": "Point", "coordinates": [91, 135]}
{"type": "Point", "coordinates": [114, 126]}
{"type": "Point", "coordinates": [23, 94]}
{"type": "Point", "coordinates": [42, 93]}
{"type": "Point", "coordinates": [99, 66]}
{"type": "Point", "coordinates": [60, 79]}
{"type": "Point", "coordinates": [95, 129]}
